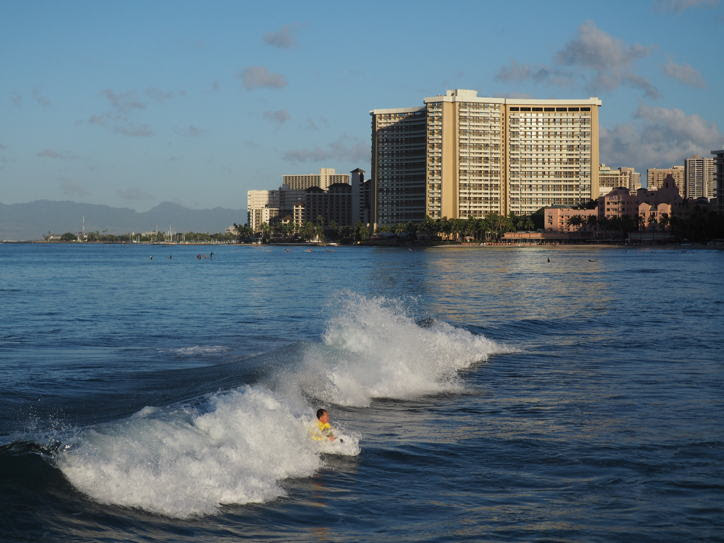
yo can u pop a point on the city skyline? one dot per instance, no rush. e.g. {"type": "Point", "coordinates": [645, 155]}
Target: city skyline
{"type": "Point", "coordinates": [133, 104]}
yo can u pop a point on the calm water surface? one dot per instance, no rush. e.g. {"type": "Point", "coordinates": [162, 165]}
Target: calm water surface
{"type": "Point", "coordinates": [560, 394]}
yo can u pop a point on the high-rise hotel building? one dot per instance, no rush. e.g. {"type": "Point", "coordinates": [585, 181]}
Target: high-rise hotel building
{"type": "Point", "coordinates": [700, 177]}
{"type": "Point", "coordinates": [460, 155]}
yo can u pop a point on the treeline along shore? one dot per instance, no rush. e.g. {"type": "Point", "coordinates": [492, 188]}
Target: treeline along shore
{"type": "Point", "coordinates": [701, 226]}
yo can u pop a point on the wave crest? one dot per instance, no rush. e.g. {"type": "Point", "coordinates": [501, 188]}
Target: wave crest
{"type": "Point", "coordinates": [237, 447]}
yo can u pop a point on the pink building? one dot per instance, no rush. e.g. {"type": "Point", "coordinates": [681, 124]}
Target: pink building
{"type": "Point", "coordinates": [667, 193]}
{"type": "Point", "coordinates": [557, 219]}
{"type": "Point", "coordinates": [647, 207]}
{"type": "Point", "coordinates": [654, 216]}
{"type": "Point", "coordinates": [618, 203]}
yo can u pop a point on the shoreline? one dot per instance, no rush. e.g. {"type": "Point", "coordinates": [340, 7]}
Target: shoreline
{"type": "Point", "coordinates": [714, 244]}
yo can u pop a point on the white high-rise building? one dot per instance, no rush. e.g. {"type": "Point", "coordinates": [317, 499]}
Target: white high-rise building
{"type": "Point", "coordinates": [700, 177]}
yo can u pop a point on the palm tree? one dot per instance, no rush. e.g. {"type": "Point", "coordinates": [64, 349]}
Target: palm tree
{"type": "Point", "coordinates": [576, 220]}
{"type": "Point", "coordinates": [664, 221]}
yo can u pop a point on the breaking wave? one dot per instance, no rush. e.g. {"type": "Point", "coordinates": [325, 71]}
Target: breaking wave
{"type": "Point", "coordinates": [238, 446]}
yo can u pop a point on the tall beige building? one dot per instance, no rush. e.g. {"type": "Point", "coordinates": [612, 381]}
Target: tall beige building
{"type": "Point", "coordinates": [655, 178]}
{"type": "Point", "coordinates": [323, 179]}
{"type": "Point", "coordinates": [610, 178]}
{"type": "Point", "coordinates": [630, 178]}
{"type": "Point", "coordinates": [461, 155]}
{"type": "Point", "coordinates": [700, 177]}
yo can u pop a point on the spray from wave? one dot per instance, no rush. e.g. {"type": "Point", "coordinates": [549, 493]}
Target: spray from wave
{"type": "Point", "coordinates": [374, 348]}
{"type": "Point", "coordinates": [238, 446]}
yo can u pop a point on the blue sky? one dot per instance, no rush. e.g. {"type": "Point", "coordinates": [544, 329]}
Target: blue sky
{"type": "Point", "coordinates": [134, 103]}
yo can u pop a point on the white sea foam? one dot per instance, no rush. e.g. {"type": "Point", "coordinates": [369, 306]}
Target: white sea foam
{"type": "Point", "coordinates": [374, 349]}
{"type": "Point", "coordinates": [188, 461]}
{"type": "Point", "coordinates": [238, 446]}
{"type": "Point", "coordinates": [195, 350]}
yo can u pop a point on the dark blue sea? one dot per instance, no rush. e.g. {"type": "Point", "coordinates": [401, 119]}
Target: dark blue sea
{"type": "Point", "coordinates": [156, 393]}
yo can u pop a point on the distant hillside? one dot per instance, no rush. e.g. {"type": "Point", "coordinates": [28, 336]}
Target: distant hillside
{"type": "Point", "coordinates": [31, 221]}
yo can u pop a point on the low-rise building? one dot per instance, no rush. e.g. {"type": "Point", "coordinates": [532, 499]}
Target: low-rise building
{"type": "Point", "coordinates": [617, 204]}
{"type": "Point", "coordinates": [566, 219]}
{"type": "Point", "coordinates": [650, 208]}
{"type": "Point", "coordinates": [654, 216]}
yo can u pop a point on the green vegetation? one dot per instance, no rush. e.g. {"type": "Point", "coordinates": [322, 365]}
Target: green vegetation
{"type": "Point", "coordinates": [287, 232]}
{"type": "Point", "coordinates": [490, 228]}
{"type": "Point", "coordinates": [154, 237]}
{"type": "Point", "coordinates": [693, 222]}
{"type": "Point", "coordinates": [699, 225]}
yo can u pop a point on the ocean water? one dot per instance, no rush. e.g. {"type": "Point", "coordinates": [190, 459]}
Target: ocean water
{"type": "Point", "coordinates": [486, 394]}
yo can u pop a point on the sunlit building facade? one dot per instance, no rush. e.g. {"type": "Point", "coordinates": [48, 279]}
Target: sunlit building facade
{"type": "Point", "coordinates": [611, 178]}
{"type": "Point", "coordinates": [655, 178]}
{"type": "Point", "coordinates": [462, 156]}
{"type": "Point", "coordinates": [700, 177]}
{"type": "Point", "coordinates": [323, 179]}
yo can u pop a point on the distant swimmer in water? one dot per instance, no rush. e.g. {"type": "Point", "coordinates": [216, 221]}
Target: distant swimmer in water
{"type": "Point", "coordinates": [323, 429]}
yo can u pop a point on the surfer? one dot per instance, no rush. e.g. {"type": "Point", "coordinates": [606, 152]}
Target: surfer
{"type": "Point", "coordinates": [323, 429]}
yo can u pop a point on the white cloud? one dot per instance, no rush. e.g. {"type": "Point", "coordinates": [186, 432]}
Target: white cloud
{"type": "Point", "coordinates": [120, 124]}
{"type": "Point", "coordinates": [343, 149]}
{"type": "Point", "coordinates": [679, 6]}
{"type": "Point", "coordinates": [123, 106]}
{"type": "Point", "coordinates": [160, 95]}
{"type": "Point", "coordinates": [540, 74]}
{"type": "Point", "coordinates": [594, 58]}
{"type": "Point", "coordinates": [607, 57]}
{"type": "Point", "coordinates": [123, 102]}
{"type": "Point", "coordinates": [279, 117]}
{"type": "Point", "coordinates": [256, 77]}
{"type": "Point", "coordinates": [283, 38]}
{"type": "Point", "coordinates": [658, 137]}
{"type": "Point", "coordinates": [684, 73]}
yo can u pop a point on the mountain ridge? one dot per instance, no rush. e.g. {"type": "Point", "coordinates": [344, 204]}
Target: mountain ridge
{"type": "Point", "coordinates": [31, 221]}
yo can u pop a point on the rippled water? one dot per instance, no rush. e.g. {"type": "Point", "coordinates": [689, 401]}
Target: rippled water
{"type": "Point", "coordinates": [567, 394]}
